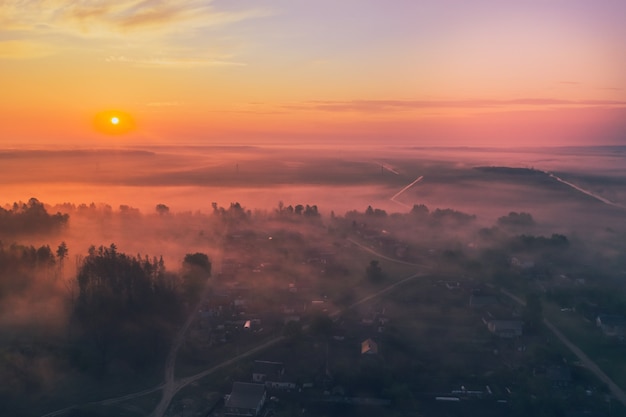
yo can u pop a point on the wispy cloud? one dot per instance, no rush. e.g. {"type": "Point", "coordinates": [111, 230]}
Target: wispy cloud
{"type": "Point", "coordinates": [136, 21]}
{"type": "Point", "coordinates": [410, 105]}
{"type": "Point", "coordinates": [118, 15]}
{"type": "Point", "coordinates": [20, 49]}
{"type": "Point", "coordinates": [173, 61]}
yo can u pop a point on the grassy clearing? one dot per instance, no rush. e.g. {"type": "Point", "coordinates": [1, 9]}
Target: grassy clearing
{"type": "Point", "coordinates": [607, 353]}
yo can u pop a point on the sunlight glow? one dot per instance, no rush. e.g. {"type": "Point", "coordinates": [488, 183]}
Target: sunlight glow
{"type": "Point", "coordinates": [113, 122]}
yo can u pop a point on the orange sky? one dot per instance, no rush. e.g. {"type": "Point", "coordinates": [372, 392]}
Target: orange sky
{"type": "Point", "coordinates": [484, 73]}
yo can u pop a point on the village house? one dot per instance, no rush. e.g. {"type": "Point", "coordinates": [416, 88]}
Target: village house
{"type": "Point", "coordinates": [560, 376]}
{"type": "Point", "coordinates": [505, 329]}
{"type": "Point", "coordinates": [523, 264]}
{"type": "Point", "coordinates": [272, 375]}
{"type": "Point", "coordinates": [245, 399]}
{"type": "Point", "coordinates": [369, 347]}
{"type": "Point", "coordinates": [612, 325]}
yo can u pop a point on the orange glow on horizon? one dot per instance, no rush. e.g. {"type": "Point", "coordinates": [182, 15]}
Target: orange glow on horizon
{"type": "Point", "coordinates": [113, 122]}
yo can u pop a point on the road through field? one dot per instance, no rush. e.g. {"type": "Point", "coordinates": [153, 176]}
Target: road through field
{"type": "Point", "coordinates": [619, 394]}
{"type": "Point", "coordinates": [174, 386]}
{"type": "Point", "coordinates": [584, 359]}
{"type": "Point", "coordinates": [396, 195]}
{"type": "Point", "coordinates": [169, 385]}
{"type": "Point", "coordinates": [584, 191]}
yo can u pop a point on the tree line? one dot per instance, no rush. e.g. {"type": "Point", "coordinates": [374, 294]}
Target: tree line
{"type": "Point", "coordinates": [30, 217]}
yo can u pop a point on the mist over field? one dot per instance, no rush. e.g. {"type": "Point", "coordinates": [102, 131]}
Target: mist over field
{"type": "Point", "coordinates": [266, 219]}
{"type": "Point", "coordinates": [339, 179]}
{"type": "Point", "coordinates": [322, 209]}
{"type": "Point", "coordinates": [110, 195]}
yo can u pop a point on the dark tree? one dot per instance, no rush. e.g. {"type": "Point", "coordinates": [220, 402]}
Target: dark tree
{"type": "Point", "coordinates": [125, 310]}
{"type": "Point", "coordinates": [419, 210]}
{"type": "Point", "coordinates": [19, 267]}
{"type": "Point", "coordinates": [45, 257]}
{"type": "Point", "coordinates": [516, 219]}
{"type": "Point", "coordinates": [292, 330]}
{"type": "Point", "coordinates": [162, 209]}
{"type": "Point", "coordinates": [198, 260]}
{"type": "Point", "coordinates": [374, 272]}
{"type": "Point", "coordinates": [196, 270]}
{"type": "Point", "coordinates": [311, 211]}
{"type": "Point", "coordinates": [62, 252]}
{"type": "Point", "coordinates": [30, 217]}
{"type": "Point", "coordinates": [321, 325]}
{"type": "Point", "coordinates": [451, 217]}
{"type": "Point", "coordinates": [375, 212]}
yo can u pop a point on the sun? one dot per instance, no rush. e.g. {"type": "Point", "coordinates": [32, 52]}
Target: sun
{"type": "Point", "coordinates": [114, 122]}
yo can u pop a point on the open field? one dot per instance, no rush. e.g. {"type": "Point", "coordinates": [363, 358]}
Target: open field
{"type": "Point", "coordinates": [339, 180]}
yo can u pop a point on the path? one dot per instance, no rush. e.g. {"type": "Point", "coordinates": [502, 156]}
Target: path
{"type": "Point", "coordinates": [108, 401]}
{"type": "Point", "coordinates": [389, 168]}
{"type": "Point", "coordinates": [183, 382]}
{"type": "Point", "coordinates": [619, 394]}
{"type": "Point", "coordinates": [378, 293]}
{"type": "Point", "coordinates": [169, 386]}
{"type": "Point", "coordinates": [587, 192]}
{"type": "Point", "coordinates": [584, 359]}
{"type": "Point", "coordinates": [396, 195]}
{"type": "Point", "coordinates": [380, 255]}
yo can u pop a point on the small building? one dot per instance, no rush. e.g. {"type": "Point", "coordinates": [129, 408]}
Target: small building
{"type": "Point", "coordinates": [266, 370]}
{"type": "Point", "coordinates": [506, 329]}
{"type": "Point", "coordinates": [523, 264]}
{"type": "Point", "coordinates": [369, 347]}
{"type": "Point", "coordinates": [272, 375]}
{"type": "Point", "coordinates": [612, 325]}
{"type": "Point", "coordinates": [245, 400]}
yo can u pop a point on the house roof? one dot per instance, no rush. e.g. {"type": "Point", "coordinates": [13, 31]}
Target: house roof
{"type": "Point", "coordinates": [613, 320]}
{"type": "Point", "coordinates": [245, 395]}
{"type": "Point", "coordinates": [369, 346]}
{"type": "Point", "coordinates": [268, 368]}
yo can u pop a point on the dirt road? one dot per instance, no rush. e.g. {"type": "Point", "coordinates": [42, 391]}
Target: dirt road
{"type": "Point", "coordinates": [171, 386]}
{"type": "Point", "coordinates": [617, 392]}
